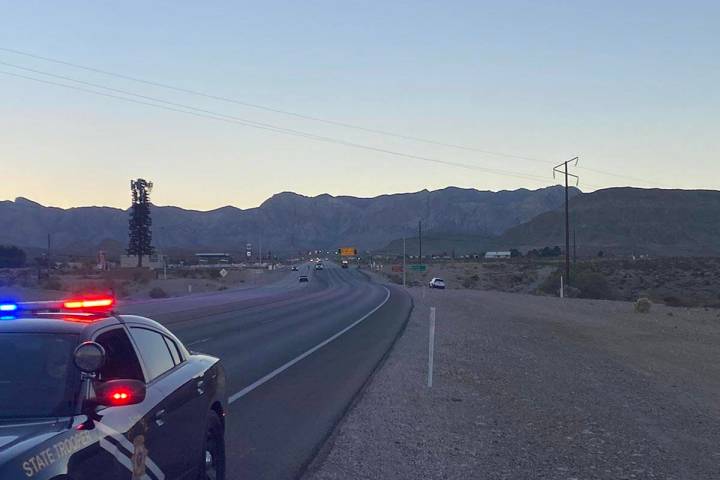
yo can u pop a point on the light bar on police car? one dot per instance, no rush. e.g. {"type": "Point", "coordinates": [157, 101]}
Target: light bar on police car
{"type": "Point", "coordinates": [8, 306]}
{"type": "Point", "coordinates": [94, 304]}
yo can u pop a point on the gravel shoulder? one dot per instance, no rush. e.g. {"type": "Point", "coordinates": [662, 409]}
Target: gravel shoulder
{"type": "Point", "coordinates": [538, 387]}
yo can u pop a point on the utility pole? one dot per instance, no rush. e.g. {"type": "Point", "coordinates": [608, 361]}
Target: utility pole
{"type": "Point", "coordinates": [564, 171]}
{"type": "Point", "coordinates": [419, 241]}
{"type": "Point", "coordinates": [574, 247]}
{"type": "Point", "coordinates": [403, 262]}
{"type": "Point", "coordinates": [48, 257]}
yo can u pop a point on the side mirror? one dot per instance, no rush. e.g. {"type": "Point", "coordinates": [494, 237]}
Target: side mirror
{"type": "Point", "coordinates": [115, 393]}
{"type": "Point", "coordinates": [89, 357]}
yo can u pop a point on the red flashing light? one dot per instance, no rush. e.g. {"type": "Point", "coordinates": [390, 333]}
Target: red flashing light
{"type": "Point", "coordinates": [120, 397]}
{"type": "Point", "coordinates": [104, 303]}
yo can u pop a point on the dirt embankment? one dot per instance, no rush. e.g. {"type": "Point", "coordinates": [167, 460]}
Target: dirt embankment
{"type": "Point", "coordinates": [681, 281]}
{"type": "Point", "coordinates": [530, 387]}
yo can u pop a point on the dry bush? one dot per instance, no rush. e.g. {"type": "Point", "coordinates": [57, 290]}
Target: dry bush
{"type": "Point", "coordinates": [471, 281]}
{"type": "Point", "coordinates": [643, 305]}
{"type": "Point", "coordinates": [51, 283]}
{"type": "Point", "coordinates": [592, 285]}
{"type": "Point", "coordinates": [158, 292]}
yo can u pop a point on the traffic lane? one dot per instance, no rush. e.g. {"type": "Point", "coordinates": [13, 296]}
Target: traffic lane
{"type": "Point", "coordinates": [257, 339]}
{"type": "Point", "coordinates": [194, 328]}
{"type": "Point", "coordinates": [175, 318]}
{"type": "Point", "coordinates": [198, 323]}
{"type": "Point", "coordinates": [277, 428]}
{"type": "Point", "coordinates": [193, 307]}
{"type": "Point", "coordinates": [271, 338]}
{"type": "Point", "coordinates": [212, 299]}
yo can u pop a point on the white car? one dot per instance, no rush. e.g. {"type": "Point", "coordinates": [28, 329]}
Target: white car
{"type": "Point", "coordinates": [437, 283]}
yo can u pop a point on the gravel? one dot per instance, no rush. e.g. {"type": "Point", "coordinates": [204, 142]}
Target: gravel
{"type": "Point", "coordinates": [531, 387]}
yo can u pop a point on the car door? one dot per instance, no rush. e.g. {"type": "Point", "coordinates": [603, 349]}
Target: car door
{"type": "Point", "coordinates": [126, 450]}
{"type": "Point", "coordinates": [189, 401]}
{"type": "Point", "coordinates": [179, 424]}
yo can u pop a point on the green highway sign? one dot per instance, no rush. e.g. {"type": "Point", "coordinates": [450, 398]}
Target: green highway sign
{"type": "Point", "coordinates": [418, 267]}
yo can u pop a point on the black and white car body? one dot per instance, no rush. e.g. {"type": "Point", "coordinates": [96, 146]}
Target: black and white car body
{"type": "Point", "coordinates": [87, 395]}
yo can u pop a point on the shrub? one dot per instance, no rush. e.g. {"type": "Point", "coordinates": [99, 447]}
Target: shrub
{"type": "Point", "coordinates": [12, 256]}
{"type": "Point", "coordinates": [673, 301]}
{"type": "Point", "coordinates": [158, 292]}
{"type": "Point", "coordinates": [643, 305]}
{"type": "Point", "coordinates": [592, 285]}
{"type": "Point", "coordinates": [51, 283]}
{"type": "Point", "coordinates": [551, 285]}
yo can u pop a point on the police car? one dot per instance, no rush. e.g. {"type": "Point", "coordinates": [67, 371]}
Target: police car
{"type": "Point", "coordinates": [86, 394]}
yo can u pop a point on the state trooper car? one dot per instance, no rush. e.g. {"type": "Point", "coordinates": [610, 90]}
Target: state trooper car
{"type": "Point", "coordinates": [86, 394]}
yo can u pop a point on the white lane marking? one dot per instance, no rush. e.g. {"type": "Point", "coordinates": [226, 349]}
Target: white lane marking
{"type": "Point", "coordinates": [127, 444]}
{"type": "Point", "coordinates": [292, 362]}
{"type": "Point", "coordinates": [196, 342]}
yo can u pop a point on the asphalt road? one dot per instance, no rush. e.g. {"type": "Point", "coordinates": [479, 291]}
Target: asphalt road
{"type": "Point", "coordinates": [295, 356]}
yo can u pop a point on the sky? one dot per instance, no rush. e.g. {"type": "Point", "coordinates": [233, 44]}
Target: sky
{"type": "Point", "coordinates": [632, 88]}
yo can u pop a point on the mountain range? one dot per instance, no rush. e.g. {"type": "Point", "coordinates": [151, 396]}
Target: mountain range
{"type": "Point", "coordinates": [285, 223]}
{"type": "Point", "coordinates": [615, 220]}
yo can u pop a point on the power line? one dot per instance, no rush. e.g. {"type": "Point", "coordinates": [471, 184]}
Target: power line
{"type": "Point", "coordinates": [271, 109]}
{"type": "Point", "coordinates": [264, 126]}
{"type": "Point", "coordinates": [304, 116]}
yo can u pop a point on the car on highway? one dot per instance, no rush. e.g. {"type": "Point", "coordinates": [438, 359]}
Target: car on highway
{"type": "Point", "coordinates": [294, 268]}
{"type": "Point", "coordinates": [344, 264]}
{"type": "Point", "coordinates": [303, 279]}
{"type": "Point", "coordinates": [319, 266]}
{"type": "Point", "coordinates": [437, 283]}
{"type": "Point", "coordinates": [86, 393]}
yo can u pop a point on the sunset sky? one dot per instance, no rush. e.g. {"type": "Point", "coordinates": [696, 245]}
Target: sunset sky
{"type": "Point", "coordinates": [630, 87]}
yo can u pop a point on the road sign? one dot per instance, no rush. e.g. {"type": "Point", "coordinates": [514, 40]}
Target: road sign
{"type": "Point", "coordinates": [397, 268]}
{"type": "Point", "coordinates": [348, 251]}
{"type": "Point", "coordinates": [418, 267]}
{"type": "Point", "coordinates": [223, 273]}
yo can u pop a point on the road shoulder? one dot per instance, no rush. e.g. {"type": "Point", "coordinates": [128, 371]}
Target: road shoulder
{"type": "Point", "coordinates": [527, 387]}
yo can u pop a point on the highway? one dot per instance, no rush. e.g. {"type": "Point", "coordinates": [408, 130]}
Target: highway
{"type": "Point", "coordinates": [295, 355]}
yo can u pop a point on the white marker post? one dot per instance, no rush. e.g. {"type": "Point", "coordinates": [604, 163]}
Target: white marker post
{"type": "Point", "coordinates": [561, 287]}
{"type": "Point", "coordinates": [431, 347]}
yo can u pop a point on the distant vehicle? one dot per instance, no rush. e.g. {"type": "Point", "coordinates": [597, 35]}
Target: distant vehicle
{"type": "Point", "coordinates": [99, 395]}
{"type": "Point", "coordinates": [303, 279]}
{"type": "Point", "coordinates": [489, 255]}
{"type": "Point", "coordinates": [294, 268]}
{"type": "Point", "coordinates": [344, 264]}
{"type": "Point", "coordinates": [437, 283]}
{"type": "Point", "coordinates": [319, 266]}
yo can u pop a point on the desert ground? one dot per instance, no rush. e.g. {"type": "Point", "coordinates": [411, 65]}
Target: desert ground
{"type": "Point", "coordinates": [531, 387]}
{"type": "Point", "coordinates": [673, 281]}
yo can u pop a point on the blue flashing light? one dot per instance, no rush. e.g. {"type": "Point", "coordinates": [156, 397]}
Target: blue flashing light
{"type": "Point", "coordinates": [8, 307]}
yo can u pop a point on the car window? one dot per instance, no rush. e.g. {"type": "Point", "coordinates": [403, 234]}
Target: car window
{"type": "Point", "coordinates": [37, 375]}
{"type": "Point", "coordinates": [154, 352]}
{"type": "Point", "coordinates": [174, 352]}
{"type": "Point", "coordinates": [121, 360]}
